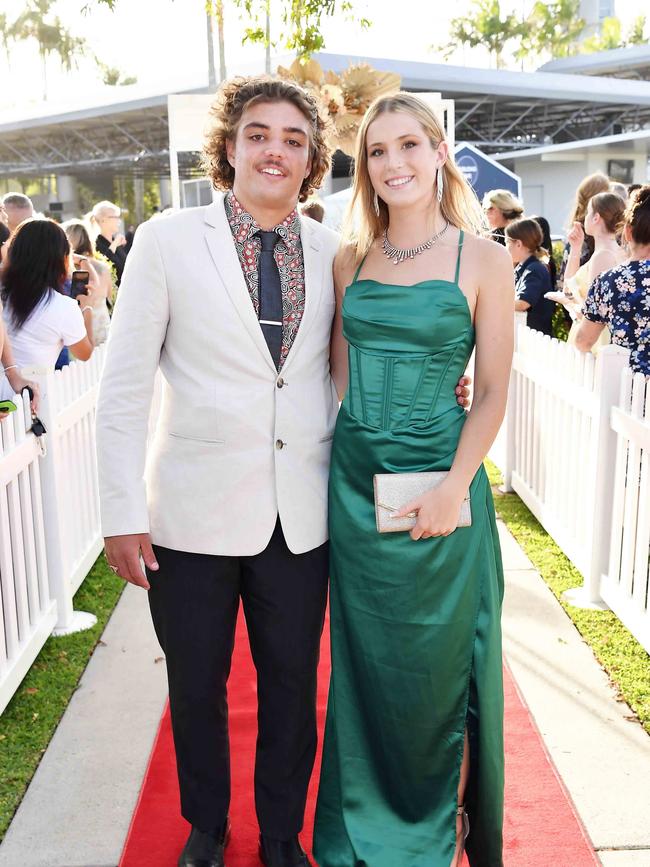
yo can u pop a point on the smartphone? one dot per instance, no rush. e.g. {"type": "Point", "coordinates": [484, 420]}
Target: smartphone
{"type": "Point", "coordinates": [79, 283]}
{"type": "Point", "coordinates": [7, 406]}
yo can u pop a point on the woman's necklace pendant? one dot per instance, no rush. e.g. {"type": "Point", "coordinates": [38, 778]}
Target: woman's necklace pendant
{"type": "Point", "coordinates": [399, 254]}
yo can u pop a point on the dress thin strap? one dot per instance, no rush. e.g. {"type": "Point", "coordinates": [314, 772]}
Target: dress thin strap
{"type": "Point", "coordinates": [358, 271]}
{"type": "Point", "coordinates": [461, 237]}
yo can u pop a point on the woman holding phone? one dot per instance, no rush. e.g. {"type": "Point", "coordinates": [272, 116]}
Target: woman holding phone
{"type": "Point", "coordinates": [40, 319]}
{"type": "Point", "coordinates": [84, 259]}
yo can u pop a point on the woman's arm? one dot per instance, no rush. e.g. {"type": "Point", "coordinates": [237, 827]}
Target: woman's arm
{"type": "Point", "coordinates": [83, 349]}
{"type": "Point", "coordinates": [14, 377]}
{"type": "Point", "coordinates": [494, 327]}
{"type": "Point", "coordinates": [575, 238]}
{"type": "Point", "coordinates": [438, 511]}
{"type": "Point", "coordinates": [105, 282]}
{"type": "Point", "coordinates": [596, 312]}
{"type": "Point", "coordinates": [343, 272]}
{"type": "Point", "coordinates": [587, 334]}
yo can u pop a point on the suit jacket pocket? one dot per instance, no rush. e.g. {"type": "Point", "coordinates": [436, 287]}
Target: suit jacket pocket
{"type": "Point", "coordinates": [197, 439]}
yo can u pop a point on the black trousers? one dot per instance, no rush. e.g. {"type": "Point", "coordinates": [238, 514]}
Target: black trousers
{"type": "Point", "coordinates": [194, 600]}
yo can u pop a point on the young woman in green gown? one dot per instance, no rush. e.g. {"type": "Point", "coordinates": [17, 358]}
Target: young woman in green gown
{"type": "Point", "coordinates": [413, 743]}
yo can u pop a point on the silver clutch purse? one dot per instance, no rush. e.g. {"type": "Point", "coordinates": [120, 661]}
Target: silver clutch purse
{"type": "Point", "coordinates": [394, 490]}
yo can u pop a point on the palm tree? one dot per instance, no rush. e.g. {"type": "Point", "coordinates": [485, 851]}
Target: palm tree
{"type": "Point", "coordinates": [6, 34]}
{"type": "Point", "coordinates": [209, 23]}
{"type": "Point", "coordinates": [51, 36]}
{"type": "Point", "coordinates": [218, 6]}
{"type": "Point", "coordinates": [214, 13]}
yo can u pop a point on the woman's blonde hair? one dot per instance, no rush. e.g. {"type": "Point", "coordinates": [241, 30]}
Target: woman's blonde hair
{"type": "Point", "coordinates": [588, 188]}
{"type": "Point", "coordinates": [529, 232]}
{"type": "Point", "coordinates": [459, 205]}
{"type": "Point", "coordinates": [510, 206]}
{"type": "Point", "coordinates": [104, 207]}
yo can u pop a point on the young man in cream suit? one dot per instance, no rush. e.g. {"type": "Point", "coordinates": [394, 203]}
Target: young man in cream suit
{"type": "Point", "coordinates": [234, 303]}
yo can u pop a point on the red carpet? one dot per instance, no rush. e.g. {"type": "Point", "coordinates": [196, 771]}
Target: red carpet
{"type": "Point", "coordinates": [541, 827]}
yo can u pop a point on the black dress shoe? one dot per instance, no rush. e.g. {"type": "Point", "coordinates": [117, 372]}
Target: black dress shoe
{"type": "Point", "coordinates": [204, 849]}
{"type": "Point", "coordinates": [282, 853]}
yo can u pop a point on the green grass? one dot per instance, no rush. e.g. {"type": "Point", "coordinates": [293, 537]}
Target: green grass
{"type": "Point", "coordinates": [619, 653]}
{"type": "Point", "coordinates": [31, 717]}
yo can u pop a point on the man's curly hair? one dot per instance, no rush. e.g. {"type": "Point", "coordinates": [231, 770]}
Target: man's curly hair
{"type": "Point", "coordinates": [238, 94]}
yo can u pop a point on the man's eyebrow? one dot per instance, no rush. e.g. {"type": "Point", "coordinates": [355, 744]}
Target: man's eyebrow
{"type": "Point", "coordinates": [399, 138]}
{"type": "Point", "coordinates": [292, 129]}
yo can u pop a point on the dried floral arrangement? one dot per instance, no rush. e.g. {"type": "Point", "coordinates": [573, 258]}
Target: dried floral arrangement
{"type": "Point", "coordinates": [346, 96]}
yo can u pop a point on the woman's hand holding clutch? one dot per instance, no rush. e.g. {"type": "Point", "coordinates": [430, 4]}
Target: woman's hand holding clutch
{"type": "Point", "coordinates": [438, 511]}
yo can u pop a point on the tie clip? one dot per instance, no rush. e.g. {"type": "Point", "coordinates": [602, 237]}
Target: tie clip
{"type": "Point", "coordinates": [269, 322]}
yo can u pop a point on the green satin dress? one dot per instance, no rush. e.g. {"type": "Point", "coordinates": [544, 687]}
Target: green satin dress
{"type": "Point", "coordinates": [415, 626]}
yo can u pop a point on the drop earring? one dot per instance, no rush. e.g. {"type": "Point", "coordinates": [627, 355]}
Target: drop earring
{"type": "Point", "coordinates": [439, 184]}
{"type": "Point", "coordinates": [376, 203]}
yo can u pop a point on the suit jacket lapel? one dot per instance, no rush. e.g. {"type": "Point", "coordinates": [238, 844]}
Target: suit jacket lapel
{"type": "Point", "coordinates": [314, 270]}
{"type": "Point", "coordinates": [222, 249]}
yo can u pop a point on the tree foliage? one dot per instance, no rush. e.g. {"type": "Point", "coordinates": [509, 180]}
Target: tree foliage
{"type": "Point", "coordinates": [38, 22]}
{"type": "Point", "coordinates": [113, 77]}
{"type": "Point", "coordinates": [302, 22]}
{"type": "Point", "coordinates": [487, 25]}
{"type": "Point", "coordinates": [611, 36]}
{"type": "Point", "coordinates": [552, 28]}
{"type": "Point", "coordinates": [635, 36]}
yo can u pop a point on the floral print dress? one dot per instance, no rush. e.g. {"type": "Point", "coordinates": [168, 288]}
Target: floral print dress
{"type": "Point", "coordinates": [620, 299]}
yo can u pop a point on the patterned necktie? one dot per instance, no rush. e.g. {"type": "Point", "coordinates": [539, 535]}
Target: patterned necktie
{"type": "Point", "coordinates": [270, 295]}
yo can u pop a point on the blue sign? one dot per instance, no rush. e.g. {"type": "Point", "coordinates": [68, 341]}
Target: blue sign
{"type": "Point", "coordinates": [484, 173]}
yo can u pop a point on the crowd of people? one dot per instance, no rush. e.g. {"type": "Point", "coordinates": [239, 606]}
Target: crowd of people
{"type": "Point", "coordinates": [57, 284]}
{"type": "Point", "coordinates": [603, 282]}
{"type": "Point", "coordinates": [607, 226]}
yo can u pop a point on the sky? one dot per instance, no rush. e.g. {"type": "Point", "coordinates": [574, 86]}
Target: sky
{"type": "Point", "coordinates": [163, 43]}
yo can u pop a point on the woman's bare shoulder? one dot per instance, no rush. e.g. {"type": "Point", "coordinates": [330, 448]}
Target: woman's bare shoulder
{"type": "Point", "coordinates": [486, 249]}
{"type": "Point", "coordinates": [490, 266]}
{"type": "Point", "coordinates": [345, 263]}
{"type": "Point", "coordinates": [602, 260]}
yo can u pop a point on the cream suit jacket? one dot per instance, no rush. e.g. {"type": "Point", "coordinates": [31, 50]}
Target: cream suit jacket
{"type": "Point", "coordinates": [235, 444]}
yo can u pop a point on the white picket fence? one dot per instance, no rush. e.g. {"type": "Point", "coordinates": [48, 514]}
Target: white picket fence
{"type": "Point", "coordinates": [28, 611]}
{"type": "Point", "coordinates": [573, 447]}
{"type": "Point", "coordinates": [625, 586]}
{"type": "Point", "coordinates": [49, 516]}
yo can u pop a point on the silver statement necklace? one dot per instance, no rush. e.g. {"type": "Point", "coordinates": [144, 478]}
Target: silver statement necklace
{"type": "Point", "coordinates": [400, 254]}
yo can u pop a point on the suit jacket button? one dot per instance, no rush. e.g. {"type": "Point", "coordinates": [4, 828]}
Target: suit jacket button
{"type": "Point", "coordinates": [279, 444]}
{"type": "Point", "coordinates": [280, 382]}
